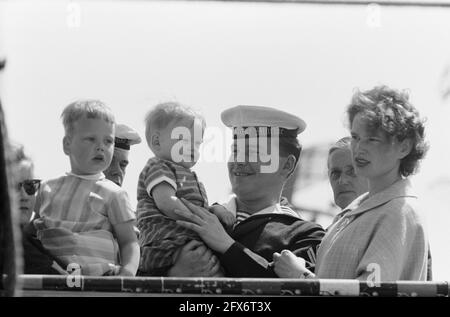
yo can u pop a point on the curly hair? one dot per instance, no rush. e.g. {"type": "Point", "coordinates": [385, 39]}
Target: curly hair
{"type": "Point", "coordinates": [390, 110]}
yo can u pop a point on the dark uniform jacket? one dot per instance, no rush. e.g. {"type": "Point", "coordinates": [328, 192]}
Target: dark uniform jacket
{"type": "Point", "coordinates": [260, 235]}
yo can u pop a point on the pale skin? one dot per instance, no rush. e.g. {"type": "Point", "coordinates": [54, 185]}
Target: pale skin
{"type": "Point", "coordinates": [164, 194]}
{"type": "Point", "coordinates": [246, 176]}
{"type": "Point", "coordinates": [26, 202]}
{"type": "Point", "coordinates": [346, 185]}
{"type": "Point", "coordinates": [167, 202]}
{"type": "Point", "coordinates": [243, 177]}
{"type": "Point", "coordinates": [117, 169]}
{"type": "Point", "coordinates": [90, 148]}
{"type": "Point", "coordinates": [376, 157]}
{"type": "Point", "coordinates": [288, 265]}
{"type": "Point", "coordinates": [208, 226]}
{"type": "Point", "coordinates": [195, 260]}
{"type": "Point", "coordinates": [129, 248]}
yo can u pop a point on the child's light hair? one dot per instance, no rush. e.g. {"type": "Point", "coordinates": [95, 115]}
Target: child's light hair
{"type": "Point", "coordinates": [89, 108]}
{"type": "Point", "coordinates": [166, 113]}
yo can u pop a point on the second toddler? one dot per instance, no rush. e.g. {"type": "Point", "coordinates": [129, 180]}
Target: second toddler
{"type": "Point", "coordinates": [174, 133]}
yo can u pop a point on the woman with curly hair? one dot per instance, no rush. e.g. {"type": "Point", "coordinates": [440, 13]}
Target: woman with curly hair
{"type": "Point", "coordinates": [381, 235]}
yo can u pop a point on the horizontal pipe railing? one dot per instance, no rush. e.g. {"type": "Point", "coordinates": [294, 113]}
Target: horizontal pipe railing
{"type": "Point", "coordinates": [391, 3]}
{"type": "Point", "coordinates": [232, 286]}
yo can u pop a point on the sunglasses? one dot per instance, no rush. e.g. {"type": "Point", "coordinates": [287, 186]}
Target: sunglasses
{"type": "Point", "coordinates": [30, 186]}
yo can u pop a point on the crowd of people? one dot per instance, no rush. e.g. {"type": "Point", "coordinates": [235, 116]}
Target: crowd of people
{"type": "Point", "coordinates": [85, 218]}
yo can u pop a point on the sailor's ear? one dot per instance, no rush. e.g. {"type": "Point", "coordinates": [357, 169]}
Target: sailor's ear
{"type": "Point", "coordinates": [289, 165]}
{"type": "Point", "coordinates": [66, 144]}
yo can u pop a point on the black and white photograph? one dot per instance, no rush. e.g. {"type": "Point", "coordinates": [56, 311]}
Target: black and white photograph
{"type": "Point", "coordinates": [241, 150]}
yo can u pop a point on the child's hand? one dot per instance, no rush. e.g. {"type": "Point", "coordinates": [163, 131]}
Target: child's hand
{"type": "Point", "coordinates": [224, 215]}
{"type": "Point", "coordinates": [117, 270]}
{"type": "Point", "coordinates": [113, 270]}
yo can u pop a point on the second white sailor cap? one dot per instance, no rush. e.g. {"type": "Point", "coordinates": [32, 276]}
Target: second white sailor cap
{"type": "Point", "coordinates": [125, 137]}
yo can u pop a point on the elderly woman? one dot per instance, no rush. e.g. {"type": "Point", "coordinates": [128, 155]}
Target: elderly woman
{"type": "Point", "coordinates": [382, 235]}
{"type": "Point", "coordinates": [346, 185]}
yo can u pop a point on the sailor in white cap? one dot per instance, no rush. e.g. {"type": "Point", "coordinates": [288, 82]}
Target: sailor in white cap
{"type": "Point", "coordinates": [124, 138]}
{"type": "Point", "coordinates": [263, 227]}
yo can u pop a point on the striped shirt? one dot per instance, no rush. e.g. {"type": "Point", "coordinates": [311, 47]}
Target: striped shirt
{"type": "Point", "coordinates": [160, 236]}
{"type": "Point", "coordinates": [241, 215]}
{"type": "Point", "coordinates": [75, 220]}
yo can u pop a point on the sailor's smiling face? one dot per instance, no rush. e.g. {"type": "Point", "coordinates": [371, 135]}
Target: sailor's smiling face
{"type": "Point", "coordinates": [247, 177]}
{"type": "Point", "coordinates": [117, 169]}
{"type": "Point", "coordinates": [90, 146]}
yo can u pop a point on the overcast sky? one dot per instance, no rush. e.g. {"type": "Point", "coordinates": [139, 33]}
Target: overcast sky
{"type": "Point", "coordinates": [306, 59]}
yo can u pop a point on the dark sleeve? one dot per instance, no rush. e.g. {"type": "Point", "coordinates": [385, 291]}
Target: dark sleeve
{"type": "Point", "coordinates": [160, 271]}
{"type": "Point", "coordinates": [36, 259]}
{"type": "Point", "coordinates": [240, 261]}
{"type": "Point", "coordinates": [308, 237]}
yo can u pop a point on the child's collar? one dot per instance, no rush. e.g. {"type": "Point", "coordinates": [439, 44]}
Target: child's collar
{"type": "Point", "coordinates": [172, 162]}
{"type": "Point", "coordinates": [94, 177]}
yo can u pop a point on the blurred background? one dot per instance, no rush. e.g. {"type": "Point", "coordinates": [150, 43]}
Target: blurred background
{"type": "Point", "coordinates": [304, 58]}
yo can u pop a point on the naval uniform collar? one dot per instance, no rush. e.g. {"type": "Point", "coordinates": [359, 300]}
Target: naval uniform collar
{"type": "Point", "coordinates": [273, 209]}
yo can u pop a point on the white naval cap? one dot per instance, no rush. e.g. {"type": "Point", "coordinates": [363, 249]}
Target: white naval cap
{"type": "Point", "coordinates": [125, 137]}
{"type": "Point", "coordinates": [259, 116]}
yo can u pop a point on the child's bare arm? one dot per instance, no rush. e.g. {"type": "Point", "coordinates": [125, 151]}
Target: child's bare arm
{"type": "Point", "coordinates": [129, 248]}
{"type": "Point", "coordinates": [166, 201]}
{"type": "Point", "coordinates": [224, 215]}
